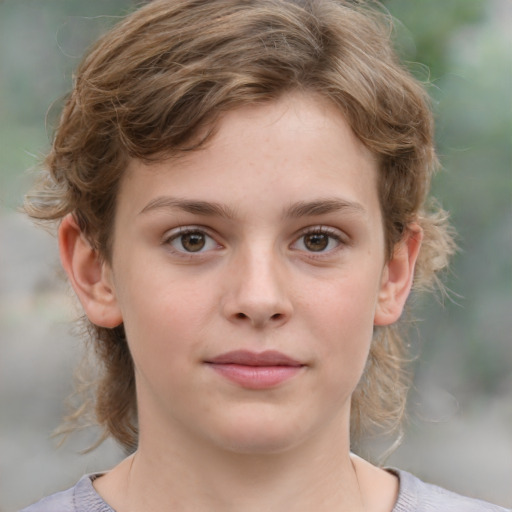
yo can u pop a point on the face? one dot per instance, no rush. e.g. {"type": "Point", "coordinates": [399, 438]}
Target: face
{"type": "Point", "coordinates": [249, 276]}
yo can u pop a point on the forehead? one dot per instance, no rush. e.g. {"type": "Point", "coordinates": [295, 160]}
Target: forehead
{"type": "Point", "coordinates": [297, 147]}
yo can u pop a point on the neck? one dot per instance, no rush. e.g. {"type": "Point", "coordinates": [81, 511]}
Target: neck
{"type": "Point", "coordinates": [193, 476]}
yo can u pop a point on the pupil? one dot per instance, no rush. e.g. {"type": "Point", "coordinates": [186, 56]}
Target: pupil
{"type": "Point", "coordinates": [193, 242]}
{"type": "Point", "coordinates": [316, 242]}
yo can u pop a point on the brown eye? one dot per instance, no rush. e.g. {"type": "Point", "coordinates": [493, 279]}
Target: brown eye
{"type": "Point", "coordinates": [319, 240]}
{"type": "Point", "coordinates": [193, 242]}
{"type": "Point", "coordinates": [316, 242]}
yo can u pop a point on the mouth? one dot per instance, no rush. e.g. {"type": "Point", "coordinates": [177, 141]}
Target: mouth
{"type": "Point", "coordinates": [252, 370]}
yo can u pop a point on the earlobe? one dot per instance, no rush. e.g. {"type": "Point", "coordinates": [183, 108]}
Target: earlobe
{"type": "Point", "coordinates": [90, 276]}
{"type": "Point", "coordinates": [397, 277]}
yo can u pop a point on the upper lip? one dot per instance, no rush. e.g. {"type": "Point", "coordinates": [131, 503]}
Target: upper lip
{"type": "Point", "coordinates": [248, 358]}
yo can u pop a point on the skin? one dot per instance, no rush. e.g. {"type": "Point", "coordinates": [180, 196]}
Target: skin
{"type": "Point", "coordinates": [282, 214]}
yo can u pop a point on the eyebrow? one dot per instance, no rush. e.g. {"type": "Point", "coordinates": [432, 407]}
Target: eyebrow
{"type": "Point", "coordinates": [323, 206]}
{"type": "Point", "coordinates": [320, 206]}
{"type": "Point", "coordinates": [196, 207]}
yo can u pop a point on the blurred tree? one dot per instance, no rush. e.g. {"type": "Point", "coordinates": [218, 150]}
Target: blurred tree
{"type": "Point", "coordinates": [425, 28]}
{"type": "Point", "coordinates": [40, 45]}
{"type": "Point", "coordinates": [464, 45]}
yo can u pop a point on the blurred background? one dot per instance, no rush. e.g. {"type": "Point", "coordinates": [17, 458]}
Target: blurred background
{"type": "Point", "coordinates": [459, 431]}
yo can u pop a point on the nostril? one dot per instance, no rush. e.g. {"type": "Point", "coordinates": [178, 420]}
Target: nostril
{"type": "Point", "coordinates": [241, 315]}
{"type": "Point", "coordinates": [276, 316]}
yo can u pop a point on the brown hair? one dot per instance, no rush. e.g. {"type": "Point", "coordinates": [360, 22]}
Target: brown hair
{"type": "Point", "coordinates": [155, 85]}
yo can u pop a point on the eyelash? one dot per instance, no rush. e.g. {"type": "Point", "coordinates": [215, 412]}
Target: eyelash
{"type": "Point", "coordinates": [331, 233]}
{"type": "Point", "coordinates": [176, 234]}
{"type": "Point", "coordinates": [182, 231]}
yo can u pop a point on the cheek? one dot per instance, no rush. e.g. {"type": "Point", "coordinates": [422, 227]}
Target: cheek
{"type": "Point", "coordinates": [162, 317]}
{"type": "Point", "coordinates": [346, 303]}
{"type": "Point", "coordinates": [343, 322]}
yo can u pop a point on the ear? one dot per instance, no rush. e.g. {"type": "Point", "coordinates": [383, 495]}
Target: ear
{"type": "Point", "coordinates": [397, 277]}
{"type": "Point", "coordinates": [90, 276]}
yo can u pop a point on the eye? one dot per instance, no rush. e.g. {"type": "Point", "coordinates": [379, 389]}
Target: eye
{"type": "Point", "coordinates": [191, 241]}
{"type": "Point", "coordinates": [318, 240]}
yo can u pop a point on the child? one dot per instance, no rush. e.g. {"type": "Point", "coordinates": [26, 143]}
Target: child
{"type": "Point", "coordinates": [240, 188]}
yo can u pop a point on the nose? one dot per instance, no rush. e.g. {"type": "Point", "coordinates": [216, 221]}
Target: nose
{"type": "Point", "coordinates": [257, 291]}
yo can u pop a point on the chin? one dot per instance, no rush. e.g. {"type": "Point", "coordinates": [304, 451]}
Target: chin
{"type": "Point", "coordinates": [260, 437]}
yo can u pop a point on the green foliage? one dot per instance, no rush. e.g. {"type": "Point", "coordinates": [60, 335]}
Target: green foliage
{"type": "Point", "coordinates": [425, 28]}
{"type": "Point", "coordinates": [464, 44]}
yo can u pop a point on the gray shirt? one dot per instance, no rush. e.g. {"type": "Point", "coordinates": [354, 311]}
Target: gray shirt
{"type": "Point", "coordinates": [414, 496]}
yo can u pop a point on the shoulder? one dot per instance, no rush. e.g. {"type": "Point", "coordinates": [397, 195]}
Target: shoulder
{"type": "Point", "coordinates": [418, 496]}
{"type": "Point", "coordinates": [80, 498]}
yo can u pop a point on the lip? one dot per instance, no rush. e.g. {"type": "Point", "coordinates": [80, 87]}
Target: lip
{"type": "Point", "coordinates": [255, 370]}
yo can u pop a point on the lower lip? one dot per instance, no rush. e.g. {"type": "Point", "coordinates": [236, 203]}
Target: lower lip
{"type": "Point", "coordinates": [256, 377]}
